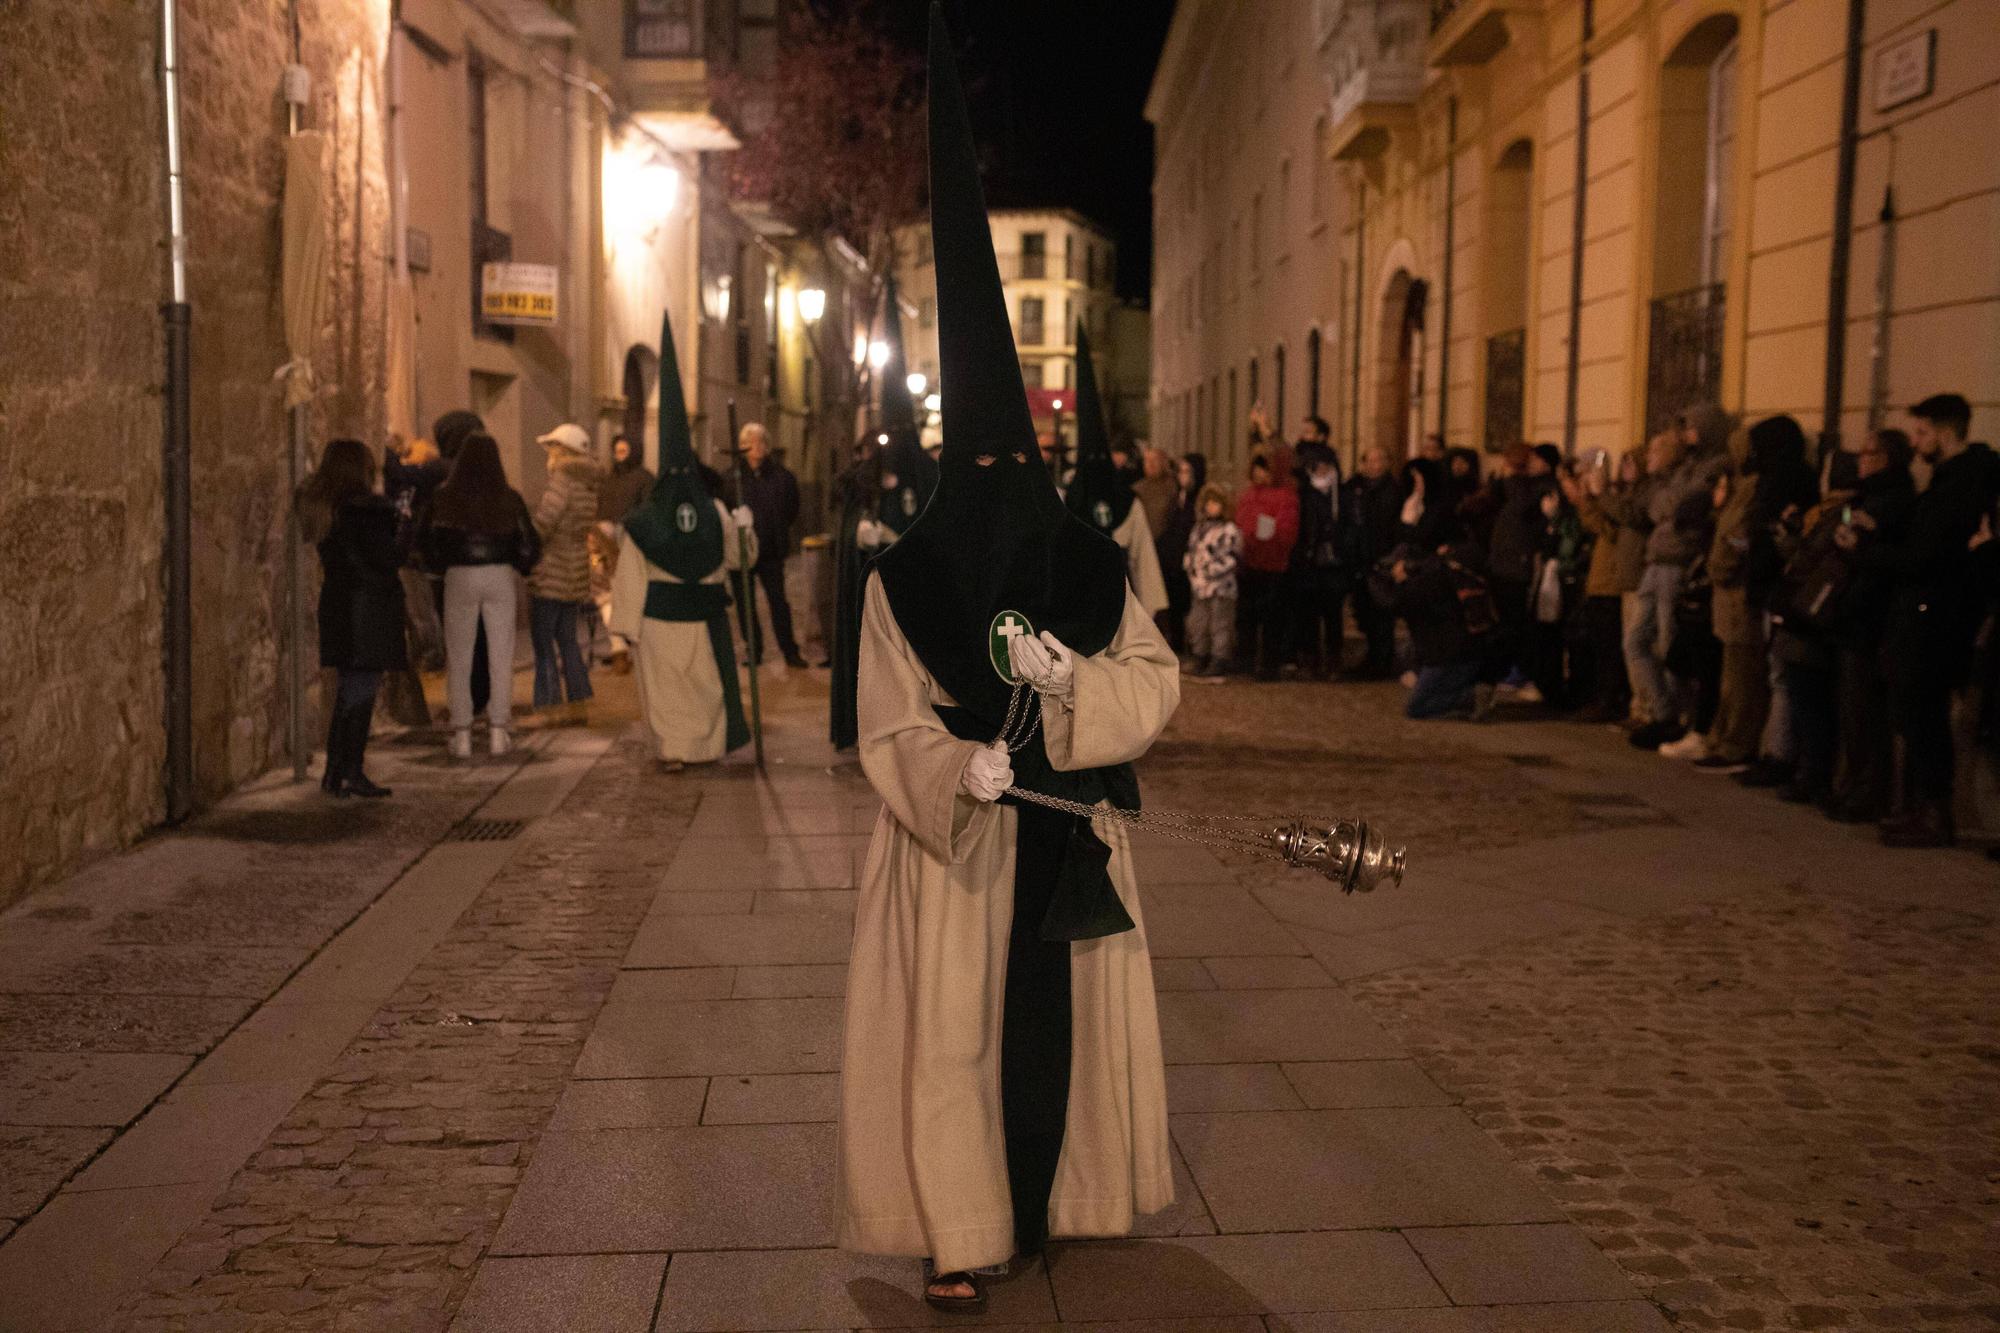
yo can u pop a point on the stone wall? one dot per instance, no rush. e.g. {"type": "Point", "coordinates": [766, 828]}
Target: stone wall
{"type": "Point", "coordinates": [82, 274]}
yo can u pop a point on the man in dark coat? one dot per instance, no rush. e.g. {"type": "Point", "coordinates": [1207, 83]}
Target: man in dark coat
{"type": "Point", "coordinates": [1373, 504]}
{"type": "Point", "coordinates": [1934, 610]}
{"type": "Point", "coordinates": [771, 492]}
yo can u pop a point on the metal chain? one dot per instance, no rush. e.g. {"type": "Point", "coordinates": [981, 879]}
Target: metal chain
{"type": "Point", "coordinates": [1166, 823]}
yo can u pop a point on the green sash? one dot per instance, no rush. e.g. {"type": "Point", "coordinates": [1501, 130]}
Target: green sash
{"type": "Point", "coordinates": [684, 603]}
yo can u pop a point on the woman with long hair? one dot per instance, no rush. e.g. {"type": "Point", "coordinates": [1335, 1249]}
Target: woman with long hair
{"type": "Point", "coordinates": [481, 538]}
{"type": "Point", "coordinates": [360, 602]}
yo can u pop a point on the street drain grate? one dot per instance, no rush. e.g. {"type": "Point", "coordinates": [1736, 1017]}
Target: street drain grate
{"type": "Point", "coordinates": [486, 830]}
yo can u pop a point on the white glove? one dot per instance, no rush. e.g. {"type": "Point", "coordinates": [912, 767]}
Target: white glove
{"type": "Point", "coordinates": [742, 516]}
{"type": "Point", "coordinates": [988, 774]}
{"type": "Point", "coordinates": [1044, 663]}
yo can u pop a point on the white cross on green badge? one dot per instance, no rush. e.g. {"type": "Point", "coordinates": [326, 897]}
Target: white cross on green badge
{"type": "Point", "coordinates": [685, 518]}
{"type": "Point", "coordinates": [1006, 627]}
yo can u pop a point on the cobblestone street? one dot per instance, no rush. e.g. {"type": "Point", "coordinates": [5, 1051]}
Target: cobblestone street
{"type": "Point", "coordinates": [551, 1043]}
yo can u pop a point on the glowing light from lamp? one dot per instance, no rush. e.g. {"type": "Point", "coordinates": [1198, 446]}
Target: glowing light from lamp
{"type": "Point", "coordinates": [917, 383]}
{"type": "Point", "coordinates": [640, 192]}
{"type": "Point", "coordinates": [812, 304]}
{"type": "Point", "coordinates": [1056, 403]}
{"type": "Point", "coordinates": [934, 402]}
{"type": "Point", "coordinates": [860, 348]}
{"type": "Point", "coordinates": [717, 299]}
{"type": "Point", "coordinates": [883, 438]}
{"type": "Point", "coordinates": [878, 354]}
{"type": "Point", "coordinates": [788, 306]}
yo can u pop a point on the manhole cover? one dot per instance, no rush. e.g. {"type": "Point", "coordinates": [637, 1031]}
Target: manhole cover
{"type": "Point", "coordinates": [485, 830]}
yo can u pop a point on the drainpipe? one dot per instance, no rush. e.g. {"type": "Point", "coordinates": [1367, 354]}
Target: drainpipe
{"type": "Point", "coordinates": [1354, 371]}
{"type": "Point", "coordinates": [1444, 313]}
{"type": "Point", "coordinates": [295, 596]}
{"type": "Point", "coordinates": [1570, 373]}
{"type": "Point", "coordinates": [175, 449]}
{"type": "Point", "coordinates": [1885, 293]}
{"type": "Point", "coordinates": [1843, 229]}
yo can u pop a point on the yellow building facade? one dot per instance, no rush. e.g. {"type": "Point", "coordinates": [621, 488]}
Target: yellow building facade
{"type": "Point", "coordinates": [1369, 210]}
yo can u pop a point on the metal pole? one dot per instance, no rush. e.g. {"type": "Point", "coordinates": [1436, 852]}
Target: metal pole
{"type": "Point", "coordinates": [1571, 372]}
{"type": "Point", "coordinates": [1354, 378]}
{"type": "Point", "coordinates": [1444, 312]}
{"type": "Point", "coordinates": [1885, 292]}
{"type": "Point", "coordinates": [295, 593]}
{"type": "Point", "coordinates": [178, 628]}
{"type": "Point", "coordinates": [1843, 229]}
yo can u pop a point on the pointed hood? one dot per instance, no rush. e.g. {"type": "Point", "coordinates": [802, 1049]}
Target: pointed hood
{"type": "Point", "coordinates": [677, 527]}
{"type": "Point", "coordinates": [898, 412]}
{"type": "Point", "coordinates": [1097, 494]}
{"type": "Point", "coordinates": [995, 539]}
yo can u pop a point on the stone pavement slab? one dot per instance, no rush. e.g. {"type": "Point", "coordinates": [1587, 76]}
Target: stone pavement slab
{"type": "Point", "coordinates": [1239, 1275]}
{"type": "Point", "coordinates": [747, 1291]}
{"type": "Point", "coordinates": [1574, 1317]}
{"type": "Point", "coordinates": [1397, 1167]}
{"type": "Point", "coordinates": [82, 1087]}
{"type": "Point", "coordinates": [705, 1187]}
{"type": "Point", "coordinates": [590, 1293]}
{"type": "Point", "coordinates": [1231, 1027]}
{"type": "Point", "coordinates": [642, 1034]}
{"type": "Point", "coordinates": [772, 1099]}
{"type": "Point", "coordinates": [748, 939]}
{"type": "Point", "coordinates": [1501, 1265]}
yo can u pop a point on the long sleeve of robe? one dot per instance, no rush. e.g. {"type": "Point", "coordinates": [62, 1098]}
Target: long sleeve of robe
{"type": "Point", "coordinates": [680, 689]}
{"type": "Point", "coordinates": [923, 1169]}
{"type": "Point", "coordinates": [1142, 560]}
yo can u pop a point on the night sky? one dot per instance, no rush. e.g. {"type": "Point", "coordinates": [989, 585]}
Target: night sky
{"type": "Point", "coordinates": [1058, 92]}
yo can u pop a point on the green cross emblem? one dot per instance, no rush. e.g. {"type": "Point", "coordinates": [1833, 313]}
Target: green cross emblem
{"type": "Point", "coordinates": [1101, 511]}
{"type": "Point", "coordinates": [685, 517]}
{"type": "Point", "coordinates": [1006, 627]}
{"type": "Point", "coordinates": [909, 502]}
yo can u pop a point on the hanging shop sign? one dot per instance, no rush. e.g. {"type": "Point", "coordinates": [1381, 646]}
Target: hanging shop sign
{"type": "Point", "coordinates": [512, 293]}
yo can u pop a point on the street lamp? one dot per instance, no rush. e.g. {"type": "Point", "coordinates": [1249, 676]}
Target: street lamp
{"type": "Point", "coordinates": [718, 300]}
{"type": "Point", "coordinates": [812, 304]}
{"type": "Point", "coordinates": [860, 347]}
{"type": "Point", "coordinates": [917, 383]}
{"type": "Point", "coordinates": [878, 354]}
{"type": "Point", "coordinates": [934, 402]}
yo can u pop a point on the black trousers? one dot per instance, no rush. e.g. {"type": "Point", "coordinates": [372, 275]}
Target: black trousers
{"type": "Point", "coordinates": [1604, 635]}
{"type": "Point", "coordinates": [771, 577]}
{"type": "Point", "coordinates": [1812, 691]}
{"type": "Point", "coordinates": [1510, 601]}
{"type": "Point", "coordinates": [1319, 606]}
{"type": "Point", "coordinates": [1263, 619]}
{"type": "Point", "coordinates": [1920, 711]}
{"type": "Point", "coordinates": [1378, 626]}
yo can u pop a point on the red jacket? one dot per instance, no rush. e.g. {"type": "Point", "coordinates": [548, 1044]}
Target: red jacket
{"type": "Point", "coordinates": [1269, 518]}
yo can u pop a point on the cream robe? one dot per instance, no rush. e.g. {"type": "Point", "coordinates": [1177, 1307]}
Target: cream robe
{"type": "Point", "coordinates": [1142, 559]}
{"type": "Point", "coordinates": [680, 694]}
{"type": "Point", "coordinates": [923, 1164]}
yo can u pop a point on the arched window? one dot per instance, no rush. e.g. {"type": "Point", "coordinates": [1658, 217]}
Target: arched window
{"type": "Point", "coordinates": [1694, 193]}
{"type": "Point", "coordinates": [1509, 259]}
{"type": "Point", "coordinates": [1255, 399]}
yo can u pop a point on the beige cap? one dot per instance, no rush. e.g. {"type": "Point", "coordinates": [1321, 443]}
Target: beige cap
{"type": "Point", "coordinates": [573, 438]}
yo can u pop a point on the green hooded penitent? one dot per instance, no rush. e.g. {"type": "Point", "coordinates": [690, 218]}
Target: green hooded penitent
{"type": "Point", "coordinates": [679, 530]}
{"type": "Point", "coordinates": [1097, 494]}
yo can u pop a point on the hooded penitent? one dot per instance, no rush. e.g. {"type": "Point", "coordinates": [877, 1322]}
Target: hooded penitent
{"type": "Point", "coordinates": [995, 554]}
{"type": "Point", "coordinates": [679, 530]}
{"type": "Point", "coordinates": [1097, 493]}
{"type": "Point", "coordinates": [908, 474]}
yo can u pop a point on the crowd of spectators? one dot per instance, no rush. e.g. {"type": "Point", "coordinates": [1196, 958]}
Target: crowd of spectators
{"type": "Point", "coordinates": [1799, 618]}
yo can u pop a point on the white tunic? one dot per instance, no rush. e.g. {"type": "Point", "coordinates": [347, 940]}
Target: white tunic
{"type": "Point", "coordinates": [1142, 560]}
{"type": "Point", "coordinates": [923, 1167]}
{"type": "Point", "coordinates": [680, 692]}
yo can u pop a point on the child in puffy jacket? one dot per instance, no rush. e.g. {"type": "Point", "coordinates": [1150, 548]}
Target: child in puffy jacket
{"type": "Point", "coordinates": [1213, 552]}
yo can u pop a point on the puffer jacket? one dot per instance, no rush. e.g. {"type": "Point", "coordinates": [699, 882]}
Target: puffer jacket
{"type": "Point", "coordinates": [564, 517]}
{"type": "Point", "coordinates": [1678, 505]}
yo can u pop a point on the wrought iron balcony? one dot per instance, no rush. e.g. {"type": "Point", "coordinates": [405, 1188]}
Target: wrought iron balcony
{"type": "Point", "coordinates": [1683, 353]}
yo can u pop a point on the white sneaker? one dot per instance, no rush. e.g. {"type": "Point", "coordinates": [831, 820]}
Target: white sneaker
{"type": "Point", "coordinates": [1691, 746]}
{"type": "Point", "coordinates": [1528, 694]}
{"type": "Point", "coordinates": [500, 742]}
{"type": "Point", "coordinates": [460, 744]}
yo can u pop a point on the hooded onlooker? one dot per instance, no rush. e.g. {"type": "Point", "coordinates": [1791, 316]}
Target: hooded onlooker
{"type": "Point", "coordinates": [1268, 515]}
{"type": "Point", "coordinates": [360, 602]}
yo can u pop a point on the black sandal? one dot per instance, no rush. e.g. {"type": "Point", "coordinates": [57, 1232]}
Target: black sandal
{"type": "Point", "coordinates": [972, 1304]}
